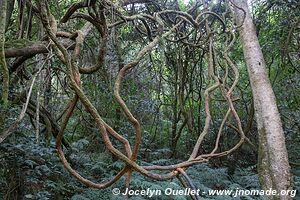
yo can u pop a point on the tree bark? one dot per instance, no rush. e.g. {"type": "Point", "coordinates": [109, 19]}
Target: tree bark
{"type": "Point", "coordinates": [9, 11]}
{"type": "Point", "coordinates": [3, 65]}
{"type": "Point", "coordinates": [36, 48]}
{"type": "Point", "coordinates": [273, 165]}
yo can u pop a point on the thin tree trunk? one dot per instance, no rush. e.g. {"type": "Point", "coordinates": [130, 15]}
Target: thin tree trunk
{"type": "Point", "coordinates": [274, 169]}
{"type": "Point", "coordinates": [9, 11]}
{"type": "Point", "coordinates": [3, 65]}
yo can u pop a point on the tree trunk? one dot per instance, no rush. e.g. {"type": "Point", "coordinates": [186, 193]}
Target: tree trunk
{"type": "Point", "coordinates": [273, 165]}
{"type": "Point", "coordinates": [3, 65]}
{"type": "Point", "coordinates": [9, 12]}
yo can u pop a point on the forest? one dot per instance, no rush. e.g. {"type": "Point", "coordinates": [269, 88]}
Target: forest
{"type": "Point", "coordinates": [149, 99]}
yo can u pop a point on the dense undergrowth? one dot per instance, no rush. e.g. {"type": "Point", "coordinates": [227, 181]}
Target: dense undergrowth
{"type": "Point", "coordinates": [35, 172]}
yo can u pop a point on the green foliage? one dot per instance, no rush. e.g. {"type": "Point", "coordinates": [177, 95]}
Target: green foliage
{"type": "Point", "coordinates": [125, 30]}
{"type": "Point", "coordinates": [182, 5]}
{"type": "Point", "coordinates": [19, 43]}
